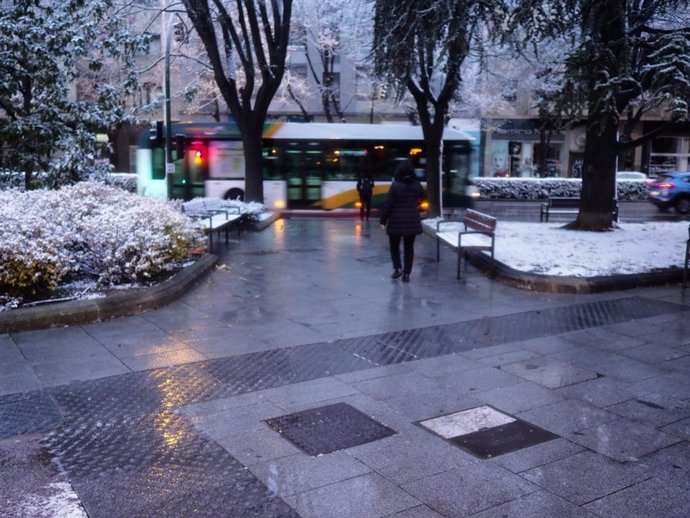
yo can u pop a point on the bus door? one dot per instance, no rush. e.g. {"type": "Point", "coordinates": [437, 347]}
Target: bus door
{"type": "Point", "coordinates": [303, 168]}
{"type": "Point", "coordinates": [190, 173]}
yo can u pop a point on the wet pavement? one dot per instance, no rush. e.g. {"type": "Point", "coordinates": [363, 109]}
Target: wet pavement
{"type": "Point", "coordinates": [298, 379]}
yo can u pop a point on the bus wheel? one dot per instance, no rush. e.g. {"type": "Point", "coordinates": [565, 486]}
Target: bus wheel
{"type": "Point", "coordinates": [235, 194]}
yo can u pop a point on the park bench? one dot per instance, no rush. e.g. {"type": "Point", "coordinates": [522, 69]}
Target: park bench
{"type": "Point", "coordinates": [686, 264]}
{"type": "Point", "coordinates": [564, 205]}
{"type": "Point", "coordinates": [214, 216]}
{"type": "Point", "coordinates": [478, 234]}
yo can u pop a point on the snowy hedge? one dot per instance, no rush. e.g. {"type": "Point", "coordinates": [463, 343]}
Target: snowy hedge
{"type": "Point", "coordinates": [542, 188]}
{"type": "Point", "coordinates": [87, 232]}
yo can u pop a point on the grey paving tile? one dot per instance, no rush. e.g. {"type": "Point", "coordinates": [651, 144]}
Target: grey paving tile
{"type": "Point", "coordinates": [366, 496]}
{"type": "Point", "coordinates": [213, 406]}
{"type": "Point", "coordinates": [519, 397]}
{"type": "Point", "coordinates": [538, 455]}
{"type": "Point", "coordinates": [236, 420]}
{"type": "Point", "coordinates": [9, 352]}
{"type": "Point", "coordinates": [147, 342]}
{"type": "Point", "coordinates": [480, 379]}
{"type": "Point", "coordinates": [604, 339]}
{"type": "Point", "coordinates": [45, 352]}
{"type": "Point", "coordinates": [376, 372]}
{"type": "Point", "coordinates": [611, 364]}
{"type": "Point", "coordinates": [398, 385]}
{"type": "Point", "coordinates": [654, 353]}
{"type": "Point", "coordinates": [648, 498]}
{"type": "Point", "coordinates": [546, 344]}
{"type": "Point", "coordinates": [119, 327]}
{"type": "Point", "coordinates": [469, 489]}
{"type": "Point", "coordinates": [445, 365]}
{"type": "Point", "coordinates": [566, 417]}
{"type": "Point", "coordinates": [411, 456]}
{"type": "Point", "coordinates": [539, 503]}
{"type": "Point", "coordinates": [679, 428]}
{"type": "Point", "coordinates": [417, 407]}
{"type": "Point", "coordinates": [49, 336]}
{"type": "Point", "coordinates": [66, 371]}
{"type": "Point", "coordinates": [623, 440]}
{"type": "Point", "coordinates": [508, 358]}
{"type": "Point", "coordinates": [256, 446]}
{"type": "Point", "coordinates": [681, 364]}
{"type": "Point", "coordinates": [674, 384]}
{"type": "Point", "coordinates": [22, 380]}
{"type": "Point", "coordinates": [672, 465]}
{"type": "Point", "coordinates": [418, 512]}
{"type": "Point", "coordinates": [600, 392]}
{"type": "Point", "coordinates": [493, 350]}
{"type": "Point", "coordinates": [309, 392]}
{"type": "Point", "coordinates": [656, 410]}
{"type": "Point", "coordinates": [585, 477]}
{"type": "Point", "coordinates": [300, 473]}
{"type": "Point", "coordinates": [549, 372]}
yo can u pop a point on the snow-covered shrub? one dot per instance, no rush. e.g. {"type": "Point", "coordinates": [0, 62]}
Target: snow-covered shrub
{"type": "Point", "coordinates": [542, 188]}
{"type": "Point", "coordinates": [88, 231]}
{"type": "Point", "coordinates": [126, 181]}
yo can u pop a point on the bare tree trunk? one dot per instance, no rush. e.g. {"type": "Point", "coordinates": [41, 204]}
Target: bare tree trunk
{"type": "Point", "coordinates": [598, 179]}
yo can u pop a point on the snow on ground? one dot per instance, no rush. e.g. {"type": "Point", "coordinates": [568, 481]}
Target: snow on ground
{"type": "Point", "coordinates": [547, 248]}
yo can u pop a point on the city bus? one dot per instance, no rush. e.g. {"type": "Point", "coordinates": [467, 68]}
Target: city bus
{"type": "Point", "coordinates": [305, 165]}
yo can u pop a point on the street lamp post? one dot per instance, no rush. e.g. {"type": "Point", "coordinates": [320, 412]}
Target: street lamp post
{"type": "Point", "coordinates": [169, 164]}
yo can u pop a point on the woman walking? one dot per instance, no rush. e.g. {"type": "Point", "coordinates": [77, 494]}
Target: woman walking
{"type": "Point", "coordinates": [400, 217]}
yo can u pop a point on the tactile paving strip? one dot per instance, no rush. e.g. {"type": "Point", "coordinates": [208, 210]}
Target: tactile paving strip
{"type": "Point", "coordinates": [130, 454]}
{"type": "Point", "coordinates": [27, 413]}
{"type": "Point", "coordinates": [329, 428]}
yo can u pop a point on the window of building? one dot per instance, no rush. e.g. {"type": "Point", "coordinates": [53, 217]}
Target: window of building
{"type": "Point", "coordinates": [669, 154]}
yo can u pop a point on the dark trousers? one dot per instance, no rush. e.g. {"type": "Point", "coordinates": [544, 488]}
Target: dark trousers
{"type": "Point", "coordinates": [364, 207]}
{"type": "Point", "coordinates": [408, 252]}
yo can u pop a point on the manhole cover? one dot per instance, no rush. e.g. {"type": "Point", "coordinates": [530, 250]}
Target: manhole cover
{"type": "Point", "coordinates": [485, 432]}
{"type": "Point", "coordinates": [329, 428]}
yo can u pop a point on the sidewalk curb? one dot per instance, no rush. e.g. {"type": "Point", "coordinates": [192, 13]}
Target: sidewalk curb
{"type": "Point", "coordinates": [115, 304]}
{"type": "Point", "coordinates": [501, 272]}
{"type": "Point", "coordinates": [567, 284]}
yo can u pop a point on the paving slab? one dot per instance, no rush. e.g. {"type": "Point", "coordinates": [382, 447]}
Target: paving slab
{"type": "Point", "coordinates": [163, 412]}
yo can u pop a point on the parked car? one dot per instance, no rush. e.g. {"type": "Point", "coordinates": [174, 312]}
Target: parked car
{"type": "Point", "coordinates": [630, 175]}
{"type": "Point", "coordinates": [671, 190]}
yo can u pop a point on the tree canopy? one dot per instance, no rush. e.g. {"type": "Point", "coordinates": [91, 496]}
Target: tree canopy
{"type": "Point", "coordinates": [45, 51]}
{"type": "Point", "coordinates": [420, 46]}
{"type": "Point", "coordinates": [630, 58]}
{"type": "Point", "coordinates": [246, 42]}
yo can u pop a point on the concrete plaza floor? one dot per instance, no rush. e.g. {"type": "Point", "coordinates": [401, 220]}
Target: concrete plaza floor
{"type": "Point", "coordinates": [298, 379]}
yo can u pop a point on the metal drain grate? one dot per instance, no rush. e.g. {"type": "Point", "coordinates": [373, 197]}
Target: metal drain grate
{"type": "Point", "coordinates": [485, 432]}
{"type": "Point", "coordinates": [329, 428]}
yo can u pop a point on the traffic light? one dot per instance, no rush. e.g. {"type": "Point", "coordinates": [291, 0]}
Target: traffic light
{"type": "Point", "coordinates": [198, 154]}
{"type": "Point", "coordinates": [156, 134]}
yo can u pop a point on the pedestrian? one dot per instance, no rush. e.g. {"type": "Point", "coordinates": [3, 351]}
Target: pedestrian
{"type": "Point", "coordinates": [401, 219]}
{"type": "Point", "coordinates": [365, 188]}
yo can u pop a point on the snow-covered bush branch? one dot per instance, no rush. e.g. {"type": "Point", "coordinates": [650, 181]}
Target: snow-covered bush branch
{"type": "Point", "coordinates": [88, 231]}
{"type": "Point", "coordinates": [542, 188]}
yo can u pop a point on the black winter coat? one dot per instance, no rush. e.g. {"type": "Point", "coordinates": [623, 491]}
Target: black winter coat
{"type": "Point", "coordinates": [400, 212]}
